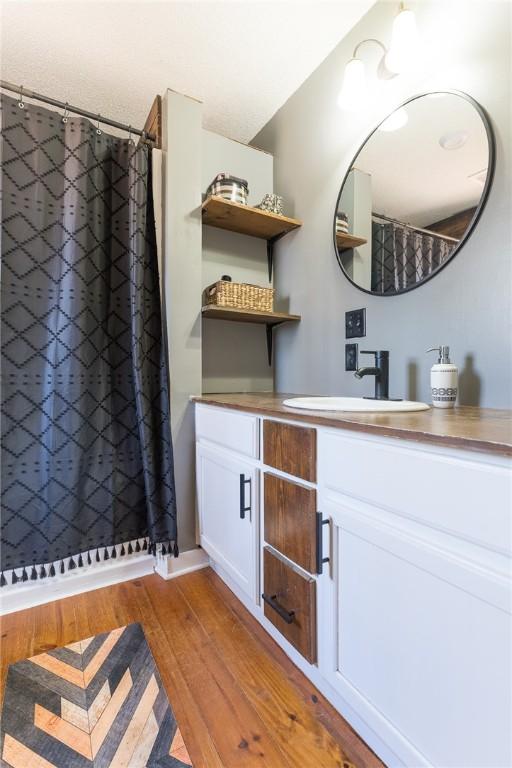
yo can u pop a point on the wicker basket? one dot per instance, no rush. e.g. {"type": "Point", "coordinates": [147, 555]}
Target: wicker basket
{"type": "Point", "coordinates": [224, 293]}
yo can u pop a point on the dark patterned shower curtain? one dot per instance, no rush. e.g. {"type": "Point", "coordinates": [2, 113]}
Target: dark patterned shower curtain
{"type": "Point", "coordinates": [403, 256]}
{"type": "Point", "coordinates": [87, 457]}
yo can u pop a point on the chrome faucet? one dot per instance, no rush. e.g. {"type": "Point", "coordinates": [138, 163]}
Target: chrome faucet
{"type": "Point", "coordinates": [381, 372]}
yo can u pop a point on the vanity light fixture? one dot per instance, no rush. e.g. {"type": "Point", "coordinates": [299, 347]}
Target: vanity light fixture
{"type": "Point", "coordinates": [353, 90]}
{"type": "Point", "coordinates": [400, 56]}
{"type": "Point", "coordinates": [405, 44]}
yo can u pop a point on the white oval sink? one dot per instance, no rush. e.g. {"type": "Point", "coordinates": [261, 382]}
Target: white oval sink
{"type": "Point", "coordinates": [354, 404]}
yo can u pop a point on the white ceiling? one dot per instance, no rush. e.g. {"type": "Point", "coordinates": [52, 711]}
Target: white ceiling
{"type": "Point", "coordinates": [414, 179]}
{"type": "Point", "coordinates": [241, 58]}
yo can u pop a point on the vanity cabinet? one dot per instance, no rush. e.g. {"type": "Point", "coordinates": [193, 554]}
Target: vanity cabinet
{"type": "Point", "coordinates": [419, 637]}
{"type": "Point", "coordinates": [415, 646]}
{"type": "Point", "coordinates": [407, 626]}
{"type": "Point", "coordinates": [227, 488]}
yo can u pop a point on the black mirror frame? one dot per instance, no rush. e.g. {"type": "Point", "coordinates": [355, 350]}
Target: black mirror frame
{"type": "Point", "coordinates": [483, 199]}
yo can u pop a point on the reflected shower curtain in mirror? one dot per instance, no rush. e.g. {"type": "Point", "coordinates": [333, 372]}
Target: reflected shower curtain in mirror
{"type": "Point", "coordinates": [87, 458]}
{"type": "Point", "coordinates": [403, 256]}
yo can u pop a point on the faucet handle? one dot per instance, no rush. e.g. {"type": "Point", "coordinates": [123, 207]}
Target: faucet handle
{"type": "Point", "coordinates": [376, 352]}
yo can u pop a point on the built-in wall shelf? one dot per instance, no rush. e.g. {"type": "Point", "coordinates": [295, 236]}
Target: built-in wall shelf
{"type": "Point", "coordinates": [269, 319]}
{"type": "Point", "coordinates": [246, 220]}
{"type": "Point", "coordinates": [345, 241]}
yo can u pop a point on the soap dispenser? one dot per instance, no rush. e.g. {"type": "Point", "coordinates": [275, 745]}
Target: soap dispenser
{"type": "Point", "coordinates": [444, 377]}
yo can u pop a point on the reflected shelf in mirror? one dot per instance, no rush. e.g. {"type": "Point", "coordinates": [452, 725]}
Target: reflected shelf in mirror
{"type": "Point", "coordinates": [345, 241]}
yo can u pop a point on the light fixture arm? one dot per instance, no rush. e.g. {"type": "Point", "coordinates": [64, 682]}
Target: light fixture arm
{"type": "Point", "coordinates": [383, 72]}
{"type": "Point", "coordinates": [369, 40]}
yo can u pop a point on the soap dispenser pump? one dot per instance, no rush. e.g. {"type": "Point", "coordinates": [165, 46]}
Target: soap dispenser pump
{"type": "Point", "coordinates": [444, 377]}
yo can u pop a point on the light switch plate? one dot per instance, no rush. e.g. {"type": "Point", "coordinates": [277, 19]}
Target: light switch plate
{"type": "Point", "coordinates": [351, 357]}
{"type": "Point", "coordinates": [355, 323]}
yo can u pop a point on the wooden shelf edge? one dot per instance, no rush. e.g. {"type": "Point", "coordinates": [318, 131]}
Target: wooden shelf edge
{"type": "Point", "coordinates": [346, 241]}
{"type": "Point", "coordinates": [213, 312]}
{"type": "Point", "coordinates": [214, 207]}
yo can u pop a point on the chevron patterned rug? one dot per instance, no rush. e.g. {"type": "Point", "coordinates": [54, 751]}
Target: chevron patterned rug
{"type": "Point", "coordinates": [95, 703]}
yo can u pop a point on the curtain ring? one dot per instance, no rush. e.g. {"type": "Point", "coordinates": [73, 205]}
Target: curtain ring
{"type": "Point", "coordinates": [66, 113]}
{"type": "Point", "coordinates": [130, 140]}
{"type": "Point", "coordinates": [98, 129]}
{"type": "Point", "coordinates": [21, 103]}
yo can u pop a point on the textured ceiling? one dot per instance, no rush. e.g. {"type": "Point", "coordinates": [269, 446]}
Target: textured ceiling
{"type": "Point", "coordinates": [242, 58]}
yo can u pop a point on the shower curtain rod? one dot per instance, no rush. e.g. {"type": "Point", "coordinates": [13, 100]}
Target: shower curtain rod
{"type": "Point", "coordinates": [22, 92]}
{"type": "Point", "coordinates": [411, 226]}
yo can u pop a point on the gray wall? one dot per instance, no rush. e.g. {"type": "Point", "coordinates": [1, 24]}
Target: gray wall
{"type": "Point", "coordinates": [468, 305]}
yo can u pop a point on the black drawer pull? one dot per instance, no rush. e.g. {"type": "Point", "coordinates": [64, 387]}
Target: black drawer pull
{"type": "Point", "coordinates": [320, 559]}
{"type": "Point", "coordinates": [243, 508]}
{"type": "Point", "coordinates": [284, 614]}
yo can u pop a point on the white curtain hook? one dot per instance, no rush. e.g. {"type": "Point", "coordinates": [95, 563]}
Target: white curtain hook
{"type": "Point", "coordinates": [130, 140]}
{"type": "Point", "coordinates": [66, 113]}
{"type": "Point", "coordinates": [21, 103]}
{"type": "Point", "coordinates": [98, 129]}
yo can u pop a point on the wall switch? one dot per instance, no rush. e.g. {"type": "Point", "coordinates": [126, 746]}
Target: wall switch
{"type": "Point", "coordinates": [355, 323]}
{"type": "Point", "coordinates": [351, 357]}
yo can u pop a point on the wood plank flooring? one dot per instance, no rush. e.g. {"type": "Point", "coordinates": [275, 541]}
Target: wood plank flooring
{"type": "Point", "coordinates": [239, 701]}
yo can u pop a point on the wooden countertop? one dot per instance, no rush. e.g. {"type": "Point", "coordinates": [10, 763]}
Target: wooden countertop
{"type": "Point", "coordinates": [475, 429]}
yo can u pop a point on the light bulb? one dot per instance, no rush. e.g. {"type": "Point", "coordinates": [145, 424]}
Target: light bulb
{"type": "Point", "coordinates": [354, 85]}
{"type": "Point", "coordinates": [404, 49]}
{"type": "Point", "coordinates": [395, 121]}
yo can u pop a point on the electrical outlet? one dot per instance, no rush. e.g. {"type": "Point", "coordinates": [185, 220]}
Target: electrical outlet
{"type": "Point", "coordinates": [355, 323]}
{"type": "Point", "coordinates": [351, 357]}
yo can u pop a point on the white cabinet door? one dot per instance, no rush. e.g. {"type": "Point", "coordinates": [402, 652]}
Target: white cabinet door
{"type": "Point", "coordinates": [420, 642]}
{"type": "Point", "coordinates": [227, 489]}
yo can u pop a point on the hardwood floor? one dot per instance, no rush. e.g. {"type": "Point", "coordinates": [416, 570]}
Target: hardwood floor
{"type": "Point", "coordinates": [239, 701]}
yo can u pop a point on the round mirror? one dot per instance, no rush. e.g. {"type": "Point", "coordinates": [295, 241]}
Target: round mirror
{"type": "Point", "coordinates": [413, 193]}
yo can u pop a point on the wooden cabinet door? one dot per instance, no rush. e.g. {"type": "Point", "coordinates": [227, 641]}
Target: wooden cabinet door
{"type": "Point", "coordinates": [227, 489]}
{"type": "Point", "coordinates": [290, 449]}
{"type": "Point", "coordinates": [290, 520]}
{"type": "Point", "coordinates": [289, 599]}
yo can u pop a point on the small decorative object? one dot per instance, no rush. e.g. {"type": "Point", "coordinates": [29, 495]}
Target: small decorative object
{"type": "Point", "coordinates": [230, 188]}
{"type": "Point", "coordinates": [225, 293]}
{"type": "Point", "coordinates": [444, 377]}
{"type": "Point", "coordinates": [342, 223]}
{"type": "Point", "coordinates": [272, 203]}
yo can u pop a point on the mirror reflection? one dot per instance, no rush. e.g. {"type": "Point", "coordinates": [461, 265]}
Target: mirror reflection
{"type": "Point", "coordinates": [413, 193]}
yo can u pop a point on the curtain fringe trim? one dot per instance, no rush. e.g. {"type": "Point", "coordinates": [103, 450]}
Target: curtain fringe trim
{"type": "Point", "coordinates": [43, 571]}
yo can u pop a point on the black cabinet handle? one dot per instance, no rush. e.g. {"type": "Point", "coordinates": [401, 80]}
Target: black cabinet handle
{"type": "Point", "coordinates": [243, 508]}
{"type": "Point", "coordinates": [320, 559]}
{"type": "Point", "coordinates": [283, 613]}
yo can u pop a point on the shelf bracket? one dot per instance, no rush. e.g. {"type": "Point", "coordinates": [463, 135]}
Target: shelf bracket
{"type": "Point", "coordinates": [270, 254]}
{"type": "Point", "coordinates": [270, 258]}
{"type": "Point", "coordinates": [269, 327]}
{"type": "Point", "coordinates": [270, 341]}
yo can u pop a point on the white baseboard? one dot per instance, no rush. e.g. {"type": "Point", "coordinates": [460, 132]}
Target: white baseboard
{"type": "Point", "coordinates": [19, 596]}
{"type": "Point", "coordinates": [169, 567]}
